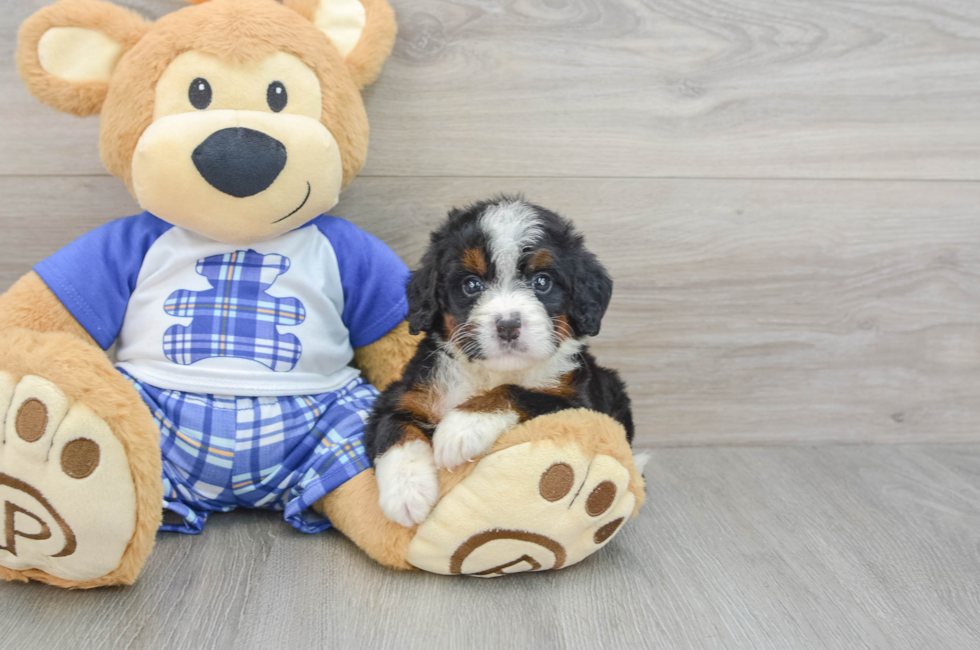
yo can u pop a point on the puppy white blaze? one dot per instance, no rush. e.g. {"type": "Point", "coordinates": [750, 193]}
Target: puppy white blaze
{"type": "Point", "coordinates": [511, 228]}
{"type": "Point", "coordinates": [457, 378]}
{"type": "Point", "coordinates": [407, 483]}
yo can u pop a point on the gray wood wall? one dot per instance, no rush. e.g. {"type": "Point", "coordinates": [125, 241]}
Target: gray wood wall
{"type": "Point", "coordinates": [786, 192]}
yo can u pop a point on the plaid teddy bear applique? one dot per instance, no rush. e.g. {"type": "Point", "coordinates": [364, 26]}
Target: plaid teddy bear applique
{"type": "Point", "coordinates": [236, 317]}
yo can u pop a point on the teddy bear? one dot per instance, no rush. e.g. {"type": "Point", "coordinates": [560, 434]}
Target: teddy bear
{"type": "Point", "coordinates": [252, 331]}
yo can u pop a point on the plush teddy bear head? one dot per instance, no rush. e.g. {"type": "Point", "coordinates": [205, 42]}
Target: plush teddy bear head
{"type": "Point", "coordinates": [236, 119]}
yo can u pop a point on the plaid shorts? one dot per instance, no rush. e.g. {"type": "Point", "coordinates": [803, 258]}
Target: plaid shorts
{"type": "Point", "coordinates": [278, 453]}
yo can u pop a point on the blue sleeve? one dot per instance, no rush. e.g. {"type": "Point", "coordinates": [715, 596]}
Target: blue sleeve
{"type": "Point", "coordinates": [94, 276]}
{"type": "Point", "coordinates": [373, 278]}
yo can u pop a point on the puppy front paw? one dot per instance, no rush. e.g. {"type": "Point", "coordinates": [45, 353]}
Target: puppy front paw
{"type": "Point", "coordinates": [407, 483]}
{"type": "Point", "coordinates": [463, 435]}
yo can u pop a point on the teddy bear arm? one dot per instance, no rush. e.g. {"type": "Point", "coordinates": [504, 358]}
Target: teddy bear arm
{"type": "Point", "coordinates": [353, 509]}
{"type": "Point", "coordinates": [30, 304]}
{"type": "Point", "coordinates": [551, 492]}
{"type": "Point", "coordinates": [383, 361]}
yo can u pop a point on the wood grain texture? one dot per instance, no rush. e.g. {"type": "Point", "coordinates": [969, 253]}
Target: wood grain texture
{"type": "Point", "coordinates": [635, 88]}
{"type": "Point", "coordinates": [744, 312]}
{"type": "Point", "coordinates": [747, 310]}
{"type": "Point", "coordinates": [829, 547]}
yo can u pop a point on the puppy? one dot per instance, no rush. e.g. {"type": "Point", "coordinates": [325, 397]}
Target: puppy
{"type": "Point", "coordinates": [508, 296]}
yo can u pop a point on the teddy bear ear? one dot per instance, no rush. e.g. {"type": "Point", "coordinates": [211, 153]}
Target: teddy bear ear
{"type": "Point", "coordinates": [67, 52]}
{"type": "Point", "coordinates": [363, 31]}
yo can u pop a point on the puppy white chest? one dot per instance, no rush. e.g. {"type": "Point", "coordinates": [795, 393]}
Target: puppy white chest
{"type": "Point", "coordinates": [458, 379]}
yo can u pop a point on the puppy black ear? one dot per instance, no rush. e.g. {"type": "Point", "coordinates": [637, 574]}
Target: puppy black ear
{"type": "Point", "coordinates": [423, 298]}
{"type": "Point", "coordinates": [591, 293]}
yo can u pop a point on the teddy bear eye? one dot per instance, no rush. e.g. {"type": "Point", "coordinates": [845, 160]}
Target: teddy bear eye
{"type": "Point", "coordinates": [276, 96]}
{"type": "Point", "coordinates": [200, 93]}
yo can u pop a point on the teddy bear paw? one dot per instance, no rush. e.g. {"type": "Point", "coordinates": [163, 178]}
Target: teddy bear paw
{"type": "Point", "coordinates": [67, 499]}
{"type": "Point", "coordinates": [531, 507]}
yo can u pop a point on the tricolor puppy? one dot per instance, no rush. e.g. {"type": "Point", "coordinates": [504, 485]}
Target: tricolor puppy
{"type": "Point", "coordinates": [507, 295]}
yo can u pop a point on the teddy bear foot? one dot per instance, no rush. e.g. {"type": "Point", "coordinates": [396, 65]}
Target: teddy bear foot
{"type": "Point", "coordinates": [69, 511]}
{"type": "Point", "coordinates": [550, 493]}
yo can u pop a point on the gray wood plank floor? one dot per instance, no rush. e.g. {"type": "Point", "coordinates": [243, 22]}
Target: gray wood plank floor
{"type": "Point", "coordinates": [805, 547]}
{"type": "Point", "coordinates": [787, 193]}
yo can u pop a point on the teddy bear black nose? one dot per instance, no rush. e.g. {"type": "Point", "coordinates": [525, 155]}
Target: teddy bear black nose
{"type": "Point", "coordinates": [240, 162]}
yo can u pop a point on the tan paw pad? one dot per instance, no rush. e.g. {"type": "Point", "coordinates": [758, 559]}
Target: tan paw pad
{"type": "Point", "coordinates": [67, 500]}
{"type": "Point", "coordinates": [531, 507]}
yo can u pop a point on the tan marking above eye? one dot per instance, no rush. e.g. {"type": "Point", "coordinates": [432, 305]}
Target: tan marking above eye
{"type": "Point", "coordinates": [540, 259]}
{"type": "Point", "coordinates": [80, 457]}
{"type": "Point", "coordinates": [556, 481]}
{"type": "Point", "coordinates": [601, 498]}
{"type": "Point", "coordinates": [607, 531]}
{"type": "Point", "coordinates": [474, 261]}
{"type": "Point", "coordinates": [32, 420]}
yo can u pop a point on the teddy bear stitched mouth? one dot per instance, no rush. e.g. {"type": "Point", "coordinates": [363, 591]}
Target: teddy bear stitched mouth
{"type": "Point", "coordinates": [305, 199]}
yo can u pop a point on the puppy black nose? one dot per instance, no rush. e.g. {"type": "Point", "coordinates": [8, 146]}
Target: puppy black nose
{"type": "Point", "coordinates": [239, 162]}
{"type": "Point", "coordinates": [509, 328]}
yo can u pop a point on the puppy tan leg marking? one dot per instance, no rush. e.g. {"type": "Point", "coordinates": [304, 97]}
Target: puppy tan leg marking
{"type": "Point", "coordinates": [420, 404]}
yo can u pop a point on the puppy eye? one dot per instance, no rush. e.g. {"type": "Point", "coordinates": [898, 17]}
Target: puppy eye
{"type": "Point", "coordinates": [472, 285]}
{"type": "Point", "coordinates": [199, 93]}
{"type": "Point", "coordinates": [276, 96]}
{"type": "Point", "coordinates": [542, 283]}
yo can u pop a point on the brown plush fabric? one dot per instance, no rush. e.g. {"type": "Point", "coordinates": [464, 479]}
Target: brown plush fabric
{"type": "Point", "coordinates": [376, 41]}
{"type": "Point", "coordinates": [82, 99]}
{"type": "Point", "coordinates": [84, 373]}
{"type": "Point", "coordinates": [373, 49]}
{"type": "Point", "coordinates": [31, 305]}
{"type": "Point", "coordinates": [383, 361]}
{"type": "Point", "coordinates": [353, 509]}
{"type": "Point", "coordinates": [237, 31]}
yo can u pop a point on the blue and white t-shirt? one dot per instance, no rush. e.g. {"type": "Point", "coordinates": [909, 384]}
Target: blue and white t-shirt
{"type": "Point", "coordinates": [279, 317]}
